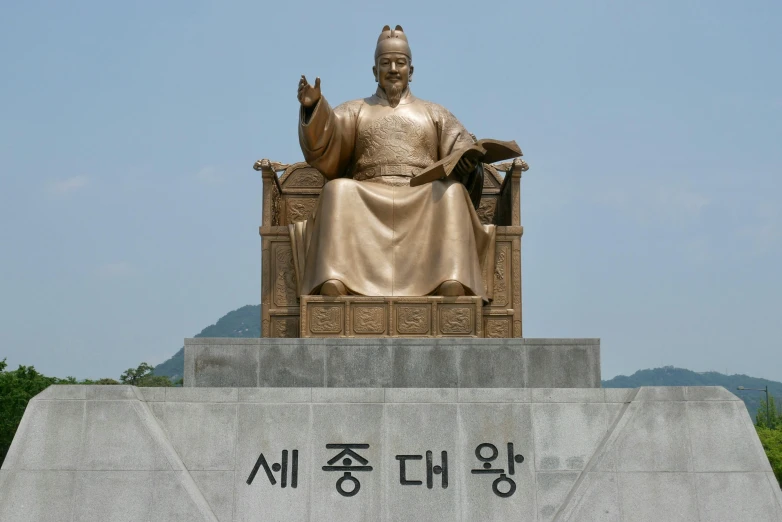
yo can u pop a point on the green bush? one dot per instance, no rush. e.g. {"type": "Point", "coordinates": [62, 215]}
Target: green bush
{"type": "Point", "coordinates": [772, 443]}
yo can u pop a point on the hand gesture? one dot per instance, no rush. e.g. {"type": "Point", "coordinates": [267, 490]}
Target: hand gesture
{"type": "Point", "coordinates": [308, 95]}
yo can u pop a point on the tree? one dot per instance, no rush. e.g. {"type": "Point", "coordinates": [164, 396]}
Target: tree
{"type": "Point", "coordinates": [768, 423]}
{"type": "Point", "coordinates": [132, 376]}
{"type": "Point", "coordinates": [155, 381]}
{"type": "Point", "coordinates": [770, 417]}
{"type": "Point", "coordinates": [106, 380]}
{"type": "Point", "coordinates": [144, 375]}
{"type": "Point", "coordinates": [772, 443]}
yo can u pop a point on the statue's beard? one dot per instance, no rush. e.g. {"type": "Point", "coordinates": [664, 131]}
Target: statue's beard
{"type": "Point", "coordinates": [394, 93]}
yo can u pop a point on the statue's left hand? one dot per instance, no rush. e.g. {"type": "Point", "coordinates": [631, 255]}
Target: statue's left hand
{"type": "Point", "coordinates": [465, 168]}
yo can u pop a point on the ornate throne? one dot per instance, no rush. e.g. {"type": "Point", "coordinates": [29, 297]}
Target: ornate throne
{"type": "Point", "coordinates": [293, 196]}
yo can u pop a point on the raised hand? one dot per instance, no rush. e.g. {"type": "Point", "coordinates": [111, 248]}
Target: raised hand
{"type": "Point", "coordinates": [309, 95]}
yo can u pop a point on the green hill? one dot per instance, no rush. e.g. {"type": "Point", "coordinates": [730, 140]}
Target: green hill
{"type": "Point", "coordinates": [244, 322]}
{"type": "Point", "coordinates": [670, 376]}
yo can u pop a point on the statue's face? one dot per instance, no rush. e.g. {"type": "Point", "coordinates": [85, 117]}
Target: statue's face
{"type": "Point", "coordinates": [393, 71]}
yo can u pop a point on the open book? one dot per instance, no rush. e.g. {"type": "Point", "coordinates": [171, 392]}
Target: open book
{"type": "Point", "coordinates": [484, 151]}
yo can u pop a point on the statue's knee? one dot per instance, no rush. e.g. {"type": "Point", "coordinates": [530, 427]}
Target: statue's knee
{"type": "Point", "coordinates": [451, 190]}
{"type": "Point", "coordinates": [335, 187]}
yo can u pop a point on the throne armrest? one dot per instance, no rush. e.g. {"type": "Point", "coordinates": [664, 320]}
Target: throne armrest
{"type": "Point", "coordinates": [509, 201]}
{"type": "Point", "coordinates": [291, 196]}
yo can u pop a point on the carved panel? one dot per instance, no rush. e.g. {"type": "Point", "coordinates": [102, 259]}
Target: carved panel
{"type": "Point", "coordinates": [358, 316]}
{"type": "Point", "coordinates": [412, 319]}
{"type": "Point", "coordinates": [516, 270]}
{"type": "Point", "coordinates": [275, 210]}
{"type": "Point", "coordinates": [284, 276]}
{"type": "Point", "coordinates": [486, 210]}
{"type": "Point", "coordinates": [282, 327]}
{"type": "Point", "coordinates": [299, 209]}
{"type": "Point", "coordinates": [369, 319]}
{"type": "Point", "coordinates": [265, 328]}
{"type": "Point", "coordinates": [307, 177]}
{"type": "Point", "coordinates": [501, 273]}
{"type": "Point", "coordinates": [265, 273]}
{"type": "Point", "coordinates": [325, 319]}
{"type": "Point", "coordinates": [489, 179]}
{"type": "Point", "coordinates": [498, 328]}
{"type": "Point", "coordinates": [456, 320]}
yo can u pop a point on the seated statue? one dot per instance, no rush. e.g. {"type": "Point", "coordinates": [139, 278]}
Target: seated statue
{"type": "Point", "coordinates": [372, 234]}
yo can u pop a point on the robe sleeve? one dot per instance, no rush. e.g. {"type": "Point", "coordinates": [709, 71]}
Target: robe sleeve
{"type": "Point", "coordinates": [327, 136]}
{"type": "Point", "coordinates": [451, 132]}
{"type": "Point", "coordinates": [452, 135]}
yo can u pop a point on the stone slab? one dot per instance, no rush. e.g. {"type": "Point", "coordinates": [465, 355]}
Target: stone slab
{"type": "Point", "coordinates": [392, 363]}
{"type": "Point", "coordinates": [576, 455]}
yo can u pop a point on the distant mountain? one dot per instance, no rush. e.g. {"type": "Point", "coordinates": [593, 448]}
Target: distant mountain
{"type": "Point", "coordinates": [244, 322]}
{"type": "Point", "coordinates": [670, 376]}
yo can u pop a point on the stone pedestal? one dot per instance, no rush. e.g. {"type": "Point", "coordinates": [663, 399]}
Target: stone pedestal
{"type": "Point", "coordinates": [119, 453]}
{"type": "Point", "coordinates": [387, 429]}
{"type": "Point", "coordinates": [393, 363]}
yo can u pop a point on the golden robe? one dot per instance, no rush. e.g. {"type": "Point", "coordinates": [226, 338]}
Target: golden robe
{"type": "Point", "coordinates": [371, 230]}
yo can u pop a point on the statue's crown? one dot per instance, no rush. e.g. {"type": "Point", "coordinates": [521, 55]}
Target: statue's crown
{"type": "Point", "coordinates": [392, 41]}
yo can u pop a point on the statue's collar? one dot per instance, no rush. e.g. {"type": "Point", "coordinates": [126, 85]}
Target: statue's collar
{"type": "Point", "coordinates": [382, 99]}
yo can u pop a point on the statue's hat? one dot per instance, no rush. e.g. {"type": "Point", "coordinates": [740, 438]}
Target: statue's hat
{"type": "Point", "coordinates": [393, 41]}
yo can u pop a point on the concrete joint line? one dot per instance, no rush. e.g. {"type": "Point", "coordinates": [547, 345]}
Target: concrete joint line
{"type": "Point", "coordinates": [183, 475]}
{"type": "Point", "coordinates": [611, 435]}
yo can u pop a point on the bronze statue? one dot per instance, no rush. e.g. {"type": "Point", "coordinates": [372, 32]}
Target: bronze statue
{"type": "Point", "coordinates": [372, 233]}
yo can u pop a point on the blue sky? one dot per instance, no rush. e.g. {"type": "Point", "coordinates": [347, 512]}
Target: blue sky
{"type": "Point", "coordinates": [129, 208]}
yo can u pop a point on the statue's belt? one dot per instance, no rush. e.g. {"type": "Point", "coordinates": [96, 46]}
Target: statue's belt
{"type": "Point", "coordinates": [405, 171]}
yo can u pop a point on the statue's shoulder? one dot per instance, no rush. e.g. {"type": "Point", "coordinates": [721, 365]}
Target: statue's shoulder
{"type": "Point", "coordinates": [351, 107]}
{"type": "Point", "coordinates": [430, 105]}
{"type": "Point", "coordinates": [438, 112]}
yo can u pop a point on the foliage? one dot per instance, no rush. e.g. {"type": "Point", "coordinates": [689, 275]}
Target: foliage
{"type": "Point", "coordinates": [106, 380]}
{"type": "Point", "coordinates": [16, 389]}
{"type": "Point", "coordinates": [770, 417]}
{"type": "Point", "coordinates": [769, 426]}
{"type": "Point", "coordinates": [156, 381]}
{"type": "Point", "coordinates": [244, 322]}
{"type": "Point", "coordinates": [132, 376]}
{"type": "Point", "coordinates": [772, 443]}
{"type": "Point", "coordinates": [144, 375]}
